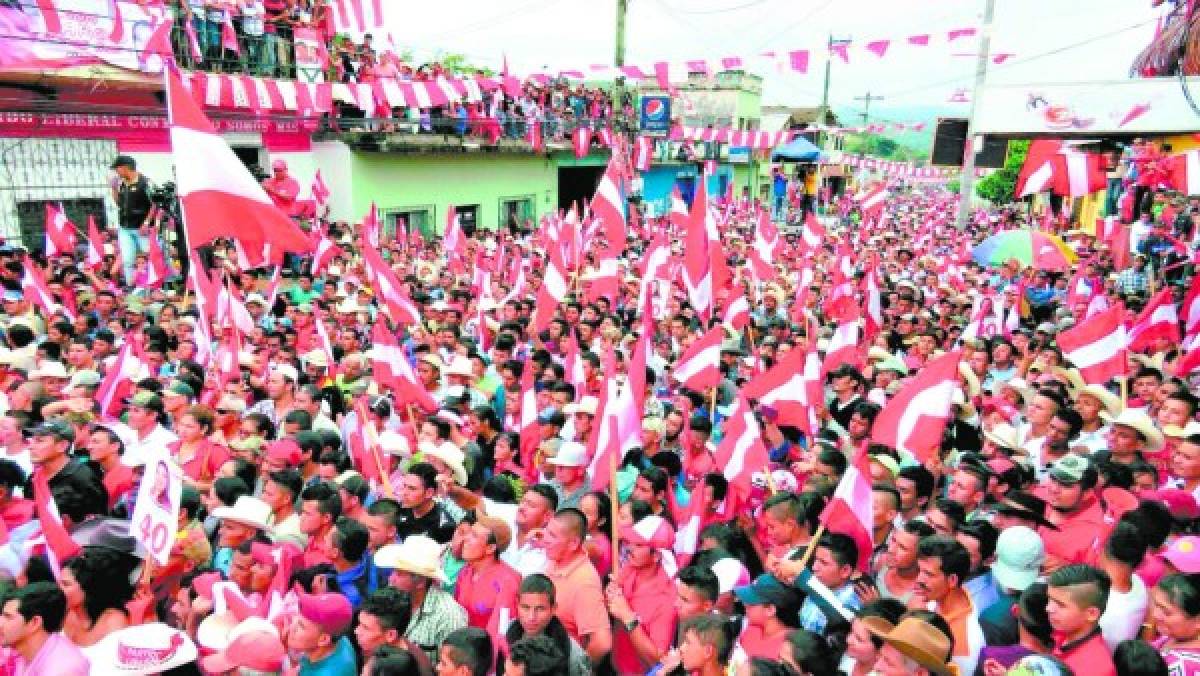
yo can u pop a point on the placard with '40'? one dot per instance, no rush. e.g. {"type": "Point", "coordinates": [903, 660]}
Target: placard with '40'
{"type": "Point", "coordinates": [156, 513]}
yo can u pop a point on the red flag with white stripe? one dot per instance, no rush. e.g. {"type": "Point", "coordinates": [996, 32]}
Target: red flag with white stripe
{"type": "Point", "coordinates": [59, 542]}
{"type": "Point", "coordinates": [813, 233]}
{"type": "Point", "coordinates": [326, 251]}
{"type": "Point", "coordinates": [844, 347]}
{"type": "Point", "coordinates": [95, 251]}
{"type": "Point", "coordinates": [1159, 320]}
{"type": "Point", "coordinates": [320, 191]}
{"type": "Point", "coordinates": [697, 263]}
{"type": "Point", "coordinates": [454, 240]}
{"type": "Point", "coordinates": [553, 290]}
{"type": "Point", "coordinates": [643, 153]}
{"type": "Point", "coordinates": [1191, 311]}
{"type": "Point", "coordinates": [849, 512]}
{"type": "Point", "coordinates": [698, 368]}
{"type": "Point", "coordinates": [391, 369]}
{"type": "Point", "coordinates": [1185, 172]}
{"type": "Point", "coordinates": [1098, 346]}
{"type": "Point", "coordinates": [792, 387]}
{"type": "Point", "coordinates": [608, 206]}
{"type": "Point", "coordinates": [60, 232]}
{"type": "Point", "coordinates": [156, 263]}
{"type": "Point", "coordinates": [118, 379]}
{"type": "Point", "coordinates": [872, 203]}
{"type": "Point", "coordinates": [737, 312]}
{"type": "Point", "coordinates": [581, 139]}
{"type": "Point", "coordinates": [916, 417]}
{"type": "Point", "coordinates": [217, 193]}
{"type": "Point", "coordinates": [741, 454]}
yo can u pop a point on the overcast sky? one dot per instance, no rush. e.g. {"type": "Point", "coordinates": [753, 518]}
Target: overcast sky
{"type": "Point", "coordinates": [1052, 40]}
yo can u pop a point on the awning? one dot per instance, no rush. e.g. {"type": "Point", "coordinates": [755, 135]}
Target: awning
{"type": "Point", "coordinates": [798, 149]}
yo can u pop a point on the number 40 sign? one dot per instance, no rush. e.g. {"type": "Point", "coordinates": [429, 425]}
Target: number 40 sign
{"type": "Point", "coordinates": [156, 512]}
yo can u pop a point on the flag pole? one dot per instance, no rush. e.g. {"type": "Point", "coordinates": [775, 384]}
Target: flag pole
{"type": "Point", "coordinates": [615, 508]}
{"type": "Point", "coordinates": [713, 406]}
{"type": "Point", "coordinates": [812, 546]}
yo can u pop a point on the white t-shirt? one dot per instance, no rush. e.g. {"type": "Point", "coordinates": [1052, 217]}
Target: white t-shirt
{"type": "Point", "coordinates": [1124, 613]}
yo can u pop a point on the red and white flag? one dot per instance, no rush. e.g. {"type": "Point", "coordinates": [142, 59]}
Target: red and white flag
{"type": "Point", "coordinates": [849, 513]}
{"type": "Point", "coordinates": [608, 207]}
{"type": "Point", "coordinates": [59, 544]}
{"type": "Point", "coordinates": [391, 369]}
{"type": "Point", "coordinates": [813, 233]}
{"type": "Point", "coordinates": [737, 312]}
{"type": "Point", "coordinates": [697, 261]}
{"type": "Point", "coordinates": [741, 454]}
{"type": "Point", "coordinates": [792, 387]}
{"type": "Point", "coordinates": [916, 417]}
{"type": "Point", "coordinates": [326, 251]}
{"type": "Point", "coordinates": [844, 347]}
{"type": "Point", "coordinates": [1098, 346]}
{"type": "Point", "coordinates": [643, 153]}
{"type": "Point", "coordinates": [872, 203]}
{"type": "Point", "coordinates": [454, 240]}
{"type": "Point", "coordinates": [1159, 320]}
{"type": "Point", "coordinates": [156, 263]}
{"type": "Point", "coordinates": [95, 251]}
{"type": "Point", "coordinates": [217, 193]}
{"type": "Point", "coordinates": [1191, 311]}
{"type": "Point", "coordinates": [60, 232]}
{"type": "Point", "coordinates": [1185, 172]}
{"type": "Point", "coordinates": [118, 380]}
{"type": "Point", "coordinates": [582, 140]}
{"type": "Point", "coordinates": [1189, 363]}
{"type": "Point", "coordinates": [553, 290]}
{"type": "Point", "coordinates": [699, 367]}
{"type": "Point", "coordinates": [320, 191]}
{"type": "Point", "coordinates": [356, 17]}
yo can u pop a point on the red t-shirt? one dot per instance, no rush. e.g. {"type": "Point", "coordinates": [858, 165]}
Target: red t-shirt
{"type": "Point", "coordinates": [654, 604]}
{"type": "Point", "coordinates": [755, 644]}
{"type": "Point", "coordinates": [1089, 656]}
{"type": "Point", "coordinates": [483, 594]}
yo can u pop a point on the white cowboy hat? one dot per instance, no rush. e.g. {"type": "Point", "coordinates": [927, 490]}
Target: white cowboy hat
{"type": "Point", "coordinates": [248, 510]}
{"type": "Point", "coordinates": [460, 366]}
{"type": "Point", "coordinates": [394, 443]}
{"type": "Point", "coordinates": [450, 455]}
{"type": "Point", "coordinates": [316, 358]}
{"type": "Point", "coordinates": [1141, 423]}
{"type": "Point", "coordinates": [970, 380]}
{"type": "Point", "coordinates": [418, 554]}
{"type": "Point", "coordinates": [50, 369]}
{"type": "Point", "coordinates": [587, 404]}
{"type": "Point", "coordinates": [1176, 432]}
{"type": "Point", "coordinates": [141, 649]}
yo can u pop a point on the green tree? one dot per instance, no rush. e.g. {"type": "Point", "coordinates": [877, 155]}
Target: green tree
{"type": "Point", "coordinates": [999, 186]}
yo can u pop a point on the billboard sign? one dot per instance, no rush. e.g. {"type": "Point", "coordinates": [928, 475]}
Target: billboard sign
{"type": "Point", "coordinates": [656, 113]}
{"type": "Point", "coordinates": [57, 34]}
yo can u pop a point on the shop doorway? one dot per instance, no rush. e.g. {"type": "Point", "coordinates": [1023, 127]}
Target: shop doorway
{"type": "Point", "coordinates": [576, 185]}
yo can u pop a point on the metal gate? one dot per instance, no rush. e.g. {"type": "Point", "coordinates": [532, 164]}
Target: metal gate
{"type": "Point", "coordinates": [34, 171]}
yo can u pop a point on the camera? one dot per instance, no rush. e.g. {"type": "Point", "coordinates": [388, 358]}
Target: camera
{"type": "Point", "coordinates": [163, 196]}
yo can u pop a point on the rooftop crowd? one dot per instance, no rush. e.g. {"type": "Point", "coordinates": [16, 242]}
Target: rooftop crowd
{"type": "Point", "coordinates": [331, 522]}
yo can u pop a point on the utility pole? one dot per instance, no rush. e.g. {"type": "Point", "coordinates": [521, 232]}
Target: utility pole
{"type": "Point", "coordinates": [618, 61]}
{"type": "Point", "coordinates": [967, 182]}
{"type": "Point", "coordinates": [823, 111]}
{"type": "Point", "coordinates": [867, 99]}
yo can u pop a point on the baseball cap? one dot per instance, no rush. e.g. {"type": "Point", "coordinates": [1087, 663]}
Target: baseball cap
{"type": "Point", "coordinates": [55, 427]}
{"type": "Point", "coordinates": [286, 451]}
{"type": "Point", "coordinates": [1019, 557]}
{"type": "Point", "coordinates": [181, 388]}
{"type": "Point", "coordinates": [84, 378]}
{"type": "Point", "coordinates": [1184, 554]}
{"type": "Point", "coordinates": [331, 612]}
{"type": "Point", "coordinates": [147, 400]}
{"type": "Point", "coordinates": [766, 590]}
{"type": "Point", "coordinates": [551, 416]}
{"type": "Point", "coordinates": [258, 650]}
{"type": "Point", "coordinates": [1069, 469]}
{"type": "Point", "coordinates": [124, 161]}
{"type": "Point", "coordinates": [570, 454]}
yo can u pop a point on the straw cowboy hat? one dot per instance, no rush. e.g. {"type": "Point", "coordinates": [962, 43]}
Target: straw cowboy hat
{"type": "Point", "coordinates": [450, 455]}
{"type": "Point", "coordinates": [1004, 436]}
{"type": "Point", "coordinates": [460, 366]}
{"type": "Point", "coordinates": [418, 555]}
{"type": "Point", "coordinates": [1072, 376]}
{"type": "Point", "coordinates": [970, 380]}
{"type": "Point", "coordinates": [1140, 423]}
{"type": "Point", "coordinates": [1110, 401]}
{"type": "Point", "coordinates": [918, 640]}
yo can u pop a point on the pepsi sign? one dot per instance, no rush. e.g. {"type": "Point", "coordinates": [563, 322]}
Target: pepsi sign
{"type": "Point", "coordinates": [656, 113]}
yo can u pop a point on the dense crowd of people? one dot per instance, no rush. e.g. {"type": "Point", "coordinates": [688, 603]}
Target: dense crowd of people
{"type": "Point", "coordinates": [362, 496]}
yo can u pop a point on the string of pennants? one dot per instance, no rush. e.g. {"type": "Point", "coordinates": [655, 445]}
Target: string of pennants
{"type": "Point", "coordinates": [264, 95]}
{"type": "Point", "coordinates": [908, 170]}
{"type": "Point", "coordinates": [764, 140]}
{"type": "Point", "coordinates": [796, 60]}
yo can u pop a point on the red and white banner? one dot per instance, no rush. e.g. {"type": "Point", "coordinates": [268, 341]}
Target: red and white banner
{"type": "Point", "coordinates": [356, 17]}
{"type": "Point", "coordinates": [155, 518]}
{"type": "Point", "coordinates": [849, 513]}
{"type": "Point", "coordinates": [699, 367]}
{"type": "Point", "coordinates": [758, 140]}
{"type": "Point", "coordinates": [46, 35]}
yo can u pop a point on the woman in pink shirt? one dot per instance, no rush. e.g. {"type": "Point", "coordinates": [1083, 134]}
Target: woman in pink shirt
{"type": "Point", "coordinates": [1176, 615]}
{"type": "Point", "coordinates": [597, 507]}
{"type": "Point", "coordinates": [198, 456]}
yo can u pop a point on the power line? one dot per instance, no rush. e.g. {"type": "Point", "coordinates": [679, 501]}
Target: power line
{"type": "Point", "coordinates": [1028, 59]}
{"type": "Point", "coordinates": [722, 10]}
